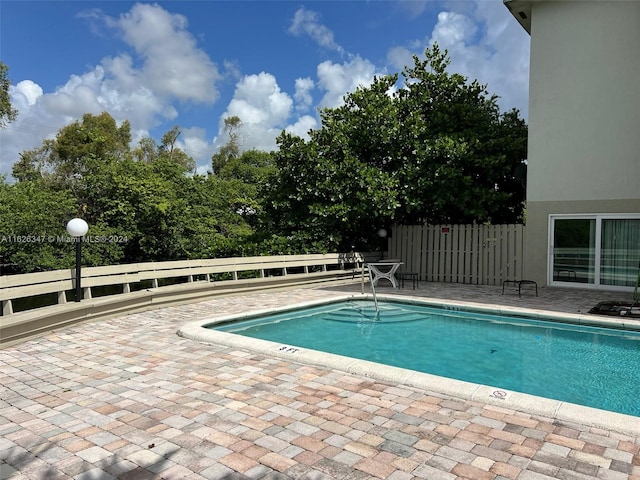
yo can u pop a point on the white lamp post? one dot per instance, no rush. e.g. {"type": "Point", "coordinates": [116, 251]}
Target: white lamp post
{"type": "Point", "coordinates": [78, 228]}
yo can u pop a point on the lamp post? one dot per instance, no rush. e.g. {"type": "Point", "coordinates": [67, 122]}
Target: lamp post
{"type": "Point", "coordinates": [382, 233]}
{"type": "Point", "coordinates": [77, 228]}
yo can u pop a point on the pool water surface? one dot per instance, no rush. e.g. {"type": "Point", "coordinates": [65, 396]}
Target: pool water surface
{"type": "Point", "coordinates": [589, 366]}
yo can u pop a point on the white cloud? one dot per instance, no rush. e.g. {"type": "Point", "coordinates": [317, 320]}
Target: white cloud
{"type": "Point", "coordinates": [173, 65]}
{"type": "Point", "coordinates": [400, 57]}
{"type": "Point", "coordinates": [307, 22]}
{"type": "Point", "coordinates": [263, 109]}
{"type": "Point", "coordinates": [453, 29]}
{"type": "Point", "coordinates": [498, 58]}
{"type": "Point", "coordinates": [77, 97]}
{"type": "Point", "coordinates": [339, 78]}
{"type": "Point", "coordinates": [232, 69]}
{"type": "Point", "coordinates": [259, 100]}
{"type": "Point", "coordinates": [484, 43]}
{"type": "Point", "coordinates": [302, 126]}
{"type": "Point", "coordinates": [303, 95]}
{"type": "Point", "coordinates": [165, 66]}
{"type": "Point", "coordinates": [163, 69]}
{"type": "Point", "coordinates": [507, 45]}
{"type": "Point", "coordinates": [414, 7]}
{"type": "Point", "coordinates": [25, 94]}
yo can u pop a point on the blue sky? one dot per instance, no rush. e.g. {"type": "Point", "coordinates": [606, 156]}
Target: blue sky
{"type": "Point", "coordinates": [272, 63]}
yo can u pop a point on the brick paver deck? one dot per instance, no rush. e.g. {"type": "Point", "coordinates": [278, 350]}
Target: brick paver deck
{"type": "Point", "coordinates": [127, 398]}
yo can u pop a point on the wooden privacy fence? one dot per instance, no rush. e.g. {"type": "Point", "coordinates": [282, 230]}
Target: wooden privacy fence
{"type": "Point", "coordinates": [472, 254]}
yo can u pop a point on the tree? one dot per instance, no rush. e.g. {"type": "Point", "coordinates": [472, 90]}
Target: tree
{"type": "Point", "coordinates": [140, 202]}
{"type": "Point", "coordinates": [172, 153]}
{"type": "Point", "coordinates": [214, 226]}
{"type": "Point", "coordinates": [325, 198]}
{"type": "Point", "coordinates": [31, 164]}
{"type": "Point", "coordinates": [248, 176]}
{"type": "Point", "coordinates": [79, 148]}
{"type": "Point", "coordinates": [144, 196]}
{"type": "Point", "coordinates": [33, 219]}
{"type": "Point", "coordinates": [148, 151]}
{"type": "Point", "coordinates": [231, 149]}
{"type": "Point", "coordinates": [459, 155]}
{"type": "Point", "coordinates": [7, 113]}
{"type": "Point", "coordinates": [434, 149]}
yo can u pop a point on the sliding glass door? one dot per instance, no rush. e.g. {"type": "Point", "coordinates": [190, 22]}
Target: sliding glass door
{"type": "Point", "coordinates": [594, 250]}
{"type": "Point", "coordinates": [620, 258]}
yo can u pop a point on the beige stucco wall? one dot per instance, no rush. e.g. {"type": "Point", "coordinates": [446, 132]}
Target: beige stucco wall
{"type": "Point", "coordinates": [584, 116]}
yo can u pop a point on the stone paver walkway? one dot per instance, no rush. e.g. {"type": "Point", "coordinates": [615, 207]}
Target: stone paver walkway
{"type": "Point", "coordinates": [127, 398]}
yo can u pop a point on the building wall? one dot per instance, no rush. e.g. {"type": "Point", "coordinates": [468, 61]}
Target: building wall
{"type": "Point", "coordinates": [584, 116]}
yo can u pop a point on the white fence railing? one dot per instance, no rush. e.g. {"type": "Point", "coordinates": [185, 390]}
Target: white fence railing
{"type": "Point", "coordinates": [472, 254]}
{"type": "Point", "coordinates": [122, 289]}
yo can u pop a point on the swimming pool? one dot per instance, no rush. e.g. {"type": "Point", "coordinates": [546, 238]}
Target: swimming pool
{"type": "Point", "coordinates": [584, 365]}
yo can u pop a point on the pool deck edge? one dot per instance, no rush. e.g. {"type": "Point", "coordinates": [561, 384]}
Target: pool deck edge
{"type": "Point", "coordinates": [531, 404]}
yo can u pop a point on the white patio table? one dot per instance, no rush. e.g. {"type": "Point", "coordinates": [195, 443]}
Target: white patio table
{"type": "Point", "coordinates": [384, 269]}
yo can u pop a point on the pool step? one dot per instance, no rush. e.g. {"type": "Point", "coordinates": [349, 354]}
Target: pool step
{"type": "Point", "coordinates": [371, 314]}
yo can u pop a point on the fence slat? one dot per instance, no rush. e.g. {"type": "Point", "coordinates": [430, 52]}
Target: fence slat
{"type": "Point", "coordinates": [474, 254]}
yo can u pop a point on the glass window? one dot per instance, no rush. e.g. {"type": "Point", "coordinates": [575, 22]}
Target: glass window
{"type": "Point", "coordinates": [574, 250]}
{"type": "Point", "coordinates": [620, 252]}
{"type": "Point", "coordinates": [595, 250]}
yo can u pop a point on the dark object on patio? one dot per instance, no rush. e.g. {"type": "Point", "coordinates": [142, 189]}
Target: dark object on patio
{"type": "Point", "coordinates": [617, 309]}
{"type": "Point", "coordinates": [519, 284]}
{"type": "Point", "coordinates": [413, 276]}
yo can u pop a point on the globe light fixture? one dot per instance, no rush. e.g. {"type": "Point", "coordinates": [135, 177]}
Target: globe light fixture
{"type": "Point", "coordinates": [382, 233]}
{"type": "Point", "coordinates": [78, 228]}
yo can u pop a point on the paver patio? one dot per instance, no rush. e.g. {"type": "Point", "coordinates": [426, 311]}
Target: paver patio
{"type": "Point", "coordinates": [127, 398]}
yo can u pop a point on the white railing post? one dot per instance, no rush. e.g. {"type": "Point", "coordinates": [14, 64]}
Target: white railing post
{"type": "Point", "coordinates": [7, 307]}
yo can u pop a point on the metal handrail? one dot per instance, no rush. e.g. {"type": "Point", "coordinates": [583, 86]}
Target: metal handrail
{"type": "Point", "coordinates": [373, 289]}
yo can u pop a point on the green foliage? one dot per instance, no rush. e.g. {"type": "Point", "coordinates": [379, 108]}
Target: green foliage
{"type": "Point", "coordinates": [213, 225]}
{"type": "Point", "coordinates": [459, 158]}
{"type": "Point", "coordinates": [423, 146]}
{"type": "Point", "coordinates": [79, 148]}
{"type": "Point", "coordinates": [141, 203]}
{"type": "Point", "coordinates": [7, 112]}
{"type": "Point", "coordinates": [231, 149]}
{"type": "Point", "coordinates": [33, 220]}
{"type": "Point", "coordinates": [433, 150]}
{"type": "Point", "coordinates": [172, 154]}
{"type": "Point", "coordinates": [325, 196]}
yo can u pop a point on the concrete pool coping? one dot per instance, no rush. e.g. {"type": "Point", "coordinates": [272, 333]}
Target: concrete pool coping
{"type": "Point", "coordinates": [555, 409]}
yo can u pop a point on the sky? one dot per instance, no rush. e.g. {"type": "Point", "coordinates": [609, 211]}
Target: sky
{"type": "Point", "coordinates": [274, 64]}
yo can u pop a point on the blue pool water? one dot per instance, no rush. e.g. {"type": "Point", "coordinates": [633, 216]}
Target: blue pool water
{"type": "Point", "coordinates": [589, 366]}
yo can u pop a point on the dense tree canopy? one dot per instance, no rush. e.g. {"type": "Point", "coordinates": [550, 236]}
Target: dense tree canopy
{"type": "Point", "coordinates": [423, 146]}
{"type": "Point", "coordinates": [434, 149]}
{"type": "Point", "coordinates": [143, 201]}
